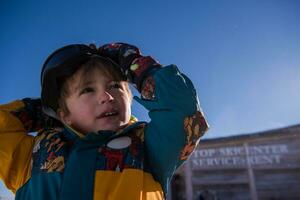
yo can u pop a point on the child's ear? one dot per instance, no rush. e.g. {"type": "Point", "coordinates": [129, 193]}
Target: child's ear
{"type": "Point", "coordinates": [64, 117]}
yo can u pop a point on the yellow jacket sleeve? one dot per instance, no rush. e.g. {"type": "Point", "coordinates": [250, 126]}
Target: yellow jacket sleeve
{"type": "Point", "coordinates": [15, 147]}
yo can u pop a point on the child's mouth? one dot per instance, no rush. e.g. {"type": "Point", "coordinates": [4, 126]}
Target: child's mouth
{"type": "Point", "coordinates": [108, 114]}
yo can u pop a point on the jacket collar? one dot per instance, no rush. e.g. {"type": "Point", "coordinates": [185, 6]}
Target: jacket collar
{"type": "Point", "coordinates": [72, 134]}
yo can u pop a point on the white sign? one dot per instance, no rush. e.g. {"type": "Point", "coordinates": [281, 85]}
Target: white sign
{"type": "Point", "coordinates": [237, 155]}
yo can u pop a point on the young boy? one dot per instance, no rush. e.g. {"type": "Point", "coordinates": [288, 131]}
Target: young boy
{"type": "Point", "coordinates": [100, 151]}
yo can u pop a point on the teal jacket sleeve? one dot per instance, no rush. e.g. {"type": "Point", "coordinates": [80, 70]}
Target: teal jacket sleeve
{"type": "Point", "coordinates": [177, 121]}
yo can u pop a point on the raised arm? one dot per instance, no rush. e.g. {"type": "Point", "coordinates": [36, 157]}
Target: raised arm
{"type": "Point", "coordinates": [177, 121]}
{"type": "Point", "coordinates": [15, 144]}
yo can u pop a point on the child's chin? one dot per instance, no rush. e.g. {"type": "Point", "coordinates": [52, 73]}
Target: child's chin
{"type": "Point", "coordinates": [112, 127]}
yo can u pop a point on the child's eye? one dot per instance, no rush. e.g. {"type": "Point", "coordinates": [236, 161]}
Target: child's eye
{"type": "Point", "coordinates": [115, 85]}
{"type": "Point", "coordinates": [87, 90]}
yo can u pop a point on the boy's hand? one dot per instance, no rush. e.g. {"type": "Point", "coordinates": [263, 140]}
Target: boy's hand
{"type": "Point", "coordinates": [33, 117]}
{"type": "Point", "coordinates": [121, 53]}
{"type": "Point", "coordinates": [135, 66]}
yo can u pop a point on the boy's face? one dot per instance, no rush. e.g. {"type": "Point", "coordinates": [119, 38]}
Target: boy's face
{"type": "Point", "coordinates": [96, 102]}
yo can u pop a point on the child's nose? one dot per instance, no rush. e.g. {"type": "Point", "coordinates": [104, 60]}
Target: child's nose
{"type": "Point", "coordinates": [105, 97]}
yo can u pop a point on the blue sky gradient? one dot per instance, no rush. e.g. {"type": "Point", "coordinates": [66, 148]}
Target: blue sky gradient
{"type": "Point", "coordinates": [242, 56]}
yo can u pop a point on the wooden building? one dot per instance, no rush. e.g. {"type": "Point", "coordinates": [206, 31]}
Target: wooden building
{"type": "Point", "coordinates": [259, 166]}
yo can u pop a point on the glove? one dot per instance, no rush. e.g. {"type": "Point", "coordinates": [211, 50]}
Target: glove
{"type": "Point", "coordinates": [135, 66]}
{"type": "Point", "coordinates": [121, 53]}
{"type": "Point", "coordinates": [32, 116]}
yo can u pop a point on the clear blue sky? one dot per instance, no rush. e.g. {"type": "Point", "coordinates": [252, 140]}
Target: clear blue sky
{"type": "Point", "coordinates": [243, 56]}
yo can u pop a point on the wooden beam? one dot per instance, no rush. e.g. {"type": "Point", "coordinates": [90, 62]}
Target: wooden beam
{"type": "Point", "coordinates": [250, 175]}
{"type": "Point", "coordinates": [188, 180]}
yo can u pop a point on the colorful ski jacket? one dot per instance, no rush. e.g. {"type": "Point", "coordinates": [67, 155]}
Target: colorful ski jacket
{"type": "Point", "coordinates": [135, 163]}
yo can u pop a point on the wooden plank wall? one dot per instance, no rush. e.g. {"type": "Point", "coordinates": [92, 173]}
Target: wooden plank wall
{"type": "Point", "coordinates": [261, 166]}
